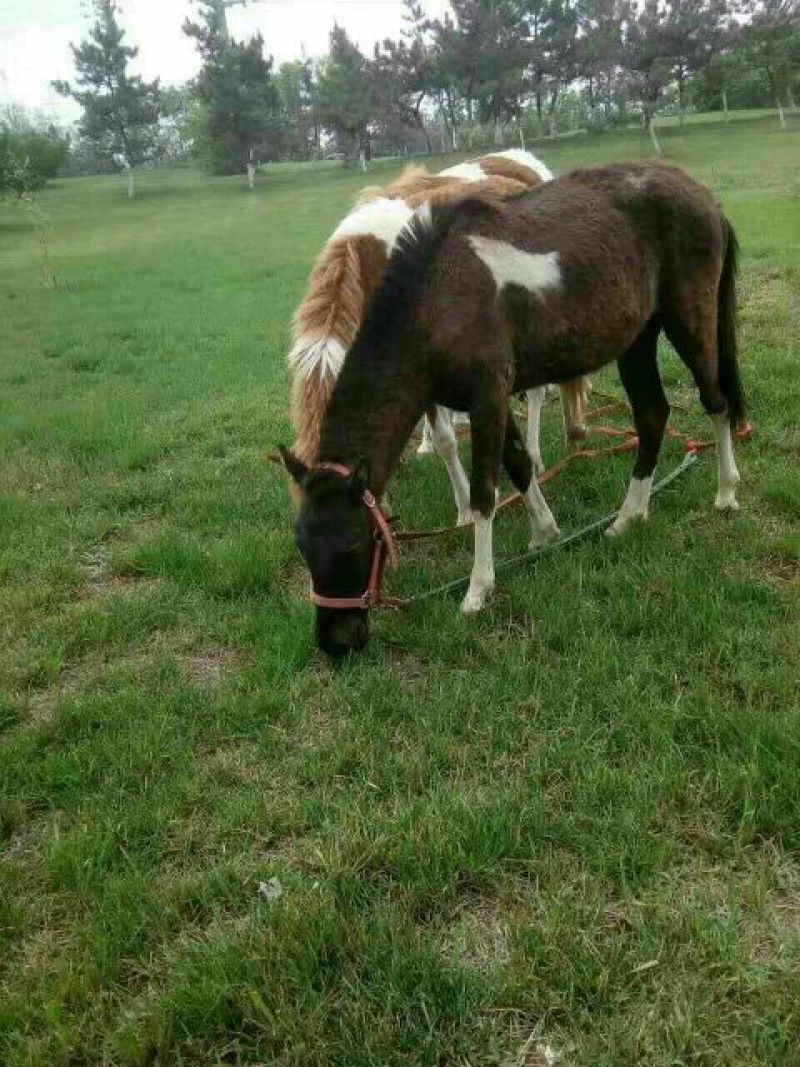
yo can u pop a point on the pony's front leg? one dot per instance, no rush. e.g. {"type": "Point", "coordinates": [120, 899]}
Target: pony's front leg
{"type": "Point", "coordinates": [445, 443]}
{"type": "Point", "coordinates": [488, 415]}
{"type": "Point", "coordinates": [520, 470]}
{"type": "Point", "coordinates": [536, 399]}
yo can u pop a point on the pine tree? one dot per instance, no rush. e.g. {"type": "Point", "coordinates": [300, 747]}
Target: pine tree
{"type": "Point", "coordinates": [346, 94]}
{"type": "Point", "coordinates": [238, 92]}
{"type": "Point", "coordinates": [120, 110]}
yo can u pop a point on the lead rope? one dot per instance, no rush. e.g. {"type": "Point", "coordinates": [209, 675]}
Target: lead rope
{"type": "Point", "coordinates": [515, 561]}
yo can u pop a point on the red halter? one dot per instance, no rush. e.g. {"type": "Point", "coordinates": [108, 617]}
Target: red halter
{"type": "Point", "coordinates": [384, 547]}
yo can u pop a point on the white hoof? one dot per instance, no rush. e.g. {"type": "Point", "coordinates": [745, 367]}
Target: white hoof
{"type": "Point", "coordinates": [544, 536]}
{"type": "Point", "coordinates": [475, 600]}
{"type": "Point", "coordinates": [425, 448]}
{"type": "Point", "coordinates": [726, 500]}
{"type": "Point", "coordinates": [622, 522]}
{"type": "Point", "coordinates": [464, 518]}
{"type": "Point", "coordinates": [538, 464]}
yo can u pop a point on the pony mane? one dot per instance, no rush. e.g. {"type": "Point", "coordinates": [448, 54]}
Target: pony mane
{"type": "Point", "coordinates": [410, 264]}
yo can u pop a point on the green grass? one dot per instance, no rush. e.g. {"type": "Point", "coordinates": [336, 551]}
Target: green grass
{"type": "Point", "coordinates": [575, 816]}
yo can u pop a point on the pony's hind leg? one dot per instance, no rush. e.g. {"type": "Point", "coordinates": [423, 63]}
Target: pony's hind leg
{"type": "Point", "coordinates": [488, 413]}
{"type": "Point", "coordinates": [704, 336]}
{"type": "Point", "coordinates": [638, 370]}
{"type": "Point", "coordinates": [519, 465]}
{"type": "Point", "coordinates": [536, 399]}
{"type": "Point", "coordinates": [445, 443]}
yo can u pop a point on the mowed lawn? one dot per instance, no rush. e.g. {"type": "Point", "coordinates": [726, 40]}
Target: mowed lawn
{"type": "Point", "coordinates": [572, 821]}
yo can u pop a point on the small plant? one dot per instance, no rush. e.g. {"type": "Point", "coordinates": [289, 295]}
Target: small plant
{"type": "Point", "coordinates": [21, 180]}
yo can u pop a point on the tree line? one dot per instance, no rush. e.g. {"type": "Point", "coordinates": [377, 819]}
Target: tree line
{"type": "Point", "coordinates": [490, 72]}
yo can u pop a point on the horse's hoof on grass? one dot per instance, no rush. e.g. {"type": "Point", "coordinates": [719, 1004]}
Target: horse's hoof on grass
{"type": "Point", "coordinates": [425, 448]}
{"type": "Point", "coordinates": [621, 525]}
{"type": "Point", "coordinates": [726, 501]}
{"type": "Point", "coordinates": [474, 601]}
{"type": "Point", "coordinates": [464, 518]}
{"type": "Point", "coordinates": [540, 538]}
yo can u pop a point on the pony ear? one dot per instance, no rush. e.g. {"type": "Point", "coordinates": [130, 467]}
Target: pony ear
{"type": "Point", "coordinates": [296, 468]}
{"type": "Point", "coordinates": [359, 479]}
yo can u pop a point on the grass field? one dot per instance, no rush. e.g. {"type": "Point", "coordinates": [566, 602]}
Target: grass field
{"type": "Point", "coordinates": [571, 821]}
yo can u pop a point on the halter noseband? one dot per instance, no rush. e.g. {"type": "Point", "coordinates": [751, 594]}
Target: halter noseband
{"type": "Point", "coordinates": [385, 547]}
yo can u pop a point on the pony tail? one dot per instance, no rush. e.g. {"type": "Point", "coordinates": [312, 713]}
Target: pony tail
{"type": "Point", "coordinates": [729, 379]}
{"type": "Point", "coordinates": [324, 327]}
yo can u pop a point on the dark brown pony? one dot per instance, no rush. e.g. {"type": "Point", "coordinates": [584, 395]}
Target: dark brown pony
{"type": "Point", "coordinates": [480, 302]}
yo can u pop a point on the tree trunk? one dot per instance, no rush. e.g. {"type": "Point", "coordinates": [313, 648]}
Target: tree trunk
{"type": "Point", "coordinates": [777, 95]}
{"type": "Point", "coordinates": [498, 131]}
{"type": "Point", "coordinates": [251, 175]}
{"type": "Point", "coordinates": [790, 98]}
{"type": "Point", "coordinates": [590, 87]}
{"type": "Point", "coordinates": [681, 99]}
{"type": "Point", "coordinates": [131, 184]}
{"type": "Point", "coordinates": [651, 129]}
{"type": "Point", "coordinates": [725, 105]}
{"type": "Point", "coordinates": [521, 137]}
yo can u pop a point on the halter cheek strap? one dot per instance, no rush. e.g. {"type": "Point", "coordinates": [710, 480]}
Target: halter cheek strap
{"type": "Point", "coordinates": [385, 547]}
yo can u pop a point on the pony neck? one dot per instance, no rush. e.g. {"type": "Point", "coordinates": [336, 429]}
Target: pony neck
{"type": "Point", "coordinates": [372, 414]}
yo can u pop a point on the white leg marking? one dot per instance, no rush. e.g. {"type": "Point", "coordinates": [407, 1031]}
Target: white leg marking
{"type": "Point", "coordinates": [544, 527]}
{"type": "Point", "coordinates": [536, 398]}
{"type": "Point", "coordinates": [426, 444]}
{"type": "Point", "coordinates": [634, 506]}
{"type": "Point", "coordinates": [535, 271]}
{"type": "Point", "coordinates": [444, 441]}
{"type": "Point", "coordinates": [728, 474]}
{"type": "Point", "coordinates": [481, 581]}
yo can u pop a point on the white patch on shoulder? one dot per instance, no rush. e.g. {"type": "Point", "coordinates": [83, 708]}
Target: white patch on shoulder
{"type": "Point", "coordinates": [637, 181]}
{"type": "Point", "coordinates": [382, 218]}
{"type": "Point", "coordinates": [322, 354]}
{"type": "Point", "coordinates": [527, 159]}
{"type": "Point", "coordinates": [469, 172]}
{"type": "Point", "coordinates": [535, 271]}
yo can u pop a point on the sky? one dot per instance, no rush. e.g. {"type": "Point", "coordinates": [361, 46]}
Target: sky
{"type": "Point", "coordinates": [35, 36]}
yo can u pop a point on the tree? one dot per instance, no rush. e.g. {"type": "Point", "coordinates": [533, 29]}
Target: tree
{"type": "Point", "coordinates": [772, 43]}
{"type": "Point", "coordinates": [403, 72]}
{"type": "Point", "coordinates": [120, 110]}
{"type": "Point", "coordinates": [297, 92]}
{"type": "Point", "coordinates": [598, 51]}
{"type": "Point", "coordinates": [347, 98]}
{"type": "Point", "coordinates": [646, 59]}
{"type": "Point", "coordinates": [31, 151]}
{"type": "Point", "coordinates": [238, 92]}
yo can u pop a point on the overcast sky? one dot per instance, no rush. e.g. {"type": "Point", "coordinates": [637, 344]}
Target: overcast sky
{"type": "Point", "coordinates": [35, 36]}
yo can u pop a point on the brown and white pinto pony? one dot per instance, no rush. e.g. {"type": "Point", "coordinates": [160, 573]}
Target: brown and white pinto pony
{"type": "Point", "coordinates": [348, 272]}
{"type": "Point", "coordinates": [480, 302]}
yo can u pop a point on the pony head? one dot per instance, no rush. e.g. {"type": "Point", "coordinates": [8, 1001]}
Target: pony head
{"type": "Point", "coordinates": [336, 538]}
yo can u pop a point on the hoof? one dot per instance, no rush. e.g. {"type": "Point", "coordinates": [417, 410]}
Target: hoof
{"type": "Point", "coordinates": [726, 501]}
{"type": "Point", "coordinates": [538, 464]}
{"type": "Point", "coordinates": [475, 600]}
{"type": "Point", "coordinates": [464, 518]}
{"type": "Point", "coordinates": [622, 522]}
{"type": "Point", "coordinates": [545, 536]}
{"type": "Point", "coordinates": [425, 448]}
